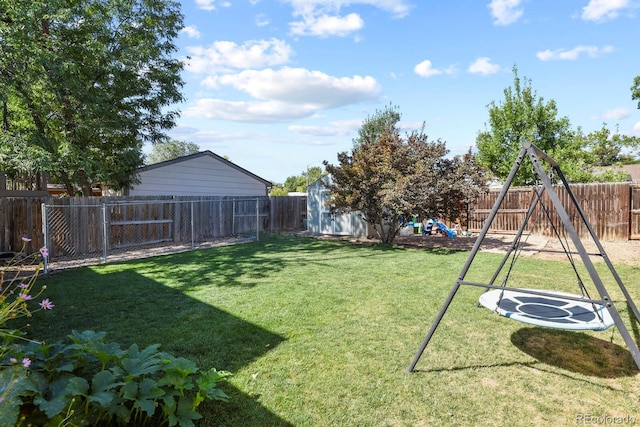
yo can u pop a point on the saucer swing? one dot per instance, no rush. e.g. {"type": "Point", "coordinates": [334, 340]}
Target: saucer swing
{"type": "Point", "coordinates": [545, 308]}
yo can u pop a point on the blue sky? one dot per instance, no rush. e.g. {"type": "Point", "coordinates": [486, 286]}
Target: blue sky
{"type": "Point", "coordinates": [281, 85]}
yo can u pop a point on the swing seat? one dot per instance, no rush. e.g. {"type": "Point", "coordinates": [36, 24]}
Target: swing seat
{"type": "Point", "coordinates": [548, 311]}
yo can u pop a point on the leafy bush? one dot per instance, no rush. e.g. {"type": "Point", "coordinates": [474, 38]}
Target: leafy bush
{"type": "Point", "coordinates": [89, 381]}
{"type": "Point", "coordinates": [85, 380]}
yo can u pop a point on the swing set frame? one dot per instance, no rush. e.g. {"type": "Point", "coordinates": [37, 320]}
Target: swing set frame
{"type": "Point", "coordinates": [537, 157]}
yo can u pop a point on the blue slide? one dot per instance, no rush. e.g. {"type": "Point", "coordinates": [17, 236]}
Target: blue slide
{"type": "Point", "coordinates": [449, 232]}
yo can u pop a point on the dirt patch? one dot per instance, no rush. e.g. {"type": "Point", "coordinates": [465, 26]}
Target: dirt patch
{"type": "Point", "coordinates": [621, 252]}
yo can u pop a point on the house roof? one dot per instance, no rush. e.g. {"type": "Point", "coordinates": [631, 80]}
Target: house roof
{"type": "Point", "coordinates": [632, 170]}
{"type": "Point", "coordinates": [204, 154]}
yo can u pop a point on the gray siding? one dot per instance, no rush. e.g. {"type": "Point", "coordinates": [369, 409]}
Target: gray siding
{"type": "Point", "coordinates": [321, 221]}
{"type": "Point", "coordinates": [203, 175]}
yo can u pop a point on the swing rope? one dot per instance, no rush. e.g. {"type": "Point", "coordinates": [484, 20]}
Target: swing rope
{"type": "Point", "coordinates": [538, 192]}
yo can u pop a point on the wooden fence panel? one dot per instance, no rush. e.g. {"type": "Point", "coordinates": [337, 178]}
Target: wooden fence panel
{"type": "Point", "coordinates": [634, 212]}
{"type": "Point", "coordinates": [287, 213]}
{"type": "Point", "coordinates": [606, 206]}
{"type": "Point", "coordinates": [20, 217]}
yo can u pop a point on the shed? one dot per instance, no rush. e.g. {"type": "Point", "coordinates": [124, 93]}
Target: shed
{"type": "Point", "coordinates": [199, 174]}
{"type": "Point", "coordinates": [320, 219]}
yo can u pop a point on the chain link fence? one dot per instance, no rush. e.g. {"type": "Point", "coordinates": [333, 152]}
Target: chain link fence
{"type": "Point", "coordinates": [97, 232]}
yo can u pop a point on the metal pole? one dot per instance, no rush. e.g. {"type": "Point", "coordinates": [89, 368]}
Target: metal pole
{"type": "Point", "coordinates": [257, 220]}
{"type": "Point", "coordinates": [45, 238]}
{"type": "Point", "coordinates": [192, 227]}
{"type": "Point", "coordinates": [584, 256]}
{"type": "Point", "coordinates": [233, 217]}
{"type": "Point", "coordinates": [472, 254]}
{"type": "Point", "coordinates": [105, 235]}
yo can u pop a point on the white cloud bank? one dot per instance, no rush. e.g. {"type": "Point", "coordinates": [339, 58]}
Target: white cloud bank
{"type": "Point", "coordinates": [573, 54]}
{"type": "Point", "coordinates": [483, 66]}
{"type": "Point", "coordinates": [603, 10]}
{"type": "Point", "coordinates": [505, 12]}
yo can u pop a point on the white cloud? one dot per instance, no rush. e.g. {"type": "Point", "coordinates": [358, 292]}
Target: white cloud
{"type": "Point", "coordinates": [324, 18]}
{"type": "Point", "coordinates": [573, 54]}
{"type": "Point", "coordinates": [617, 114]}
{"type": "Point", "coordinates": [425, 69]}
{"type": "Point", "coordinates": [325, 25]}
{"type": "Point", "coordinates": [602, 10]}
{"type": "Point", "coordinates": [227, 55]}
{"type": "Point", "coordinates": [247, 111]}
{"type": "Point", "coordinates": [399, 8]}
{"type": "Point", "coordinates": [284, 95]}
{"type": "Point", "coordinates": [303, 87]}
{"type": "Point", "coordinates": [262, 20]}
{"type": "Point", "coordinates": [637, 126]}
{"type": "Point", "coordinates": [211, 4]}
{"type": "Point", "coordinates": [191, 31]}
{"type": "Point", "coordinates": [505, 12]}
{"type": "Point", "coordinates": [335, 128]}
{"type": "Point", "coordinates": [483, 66]}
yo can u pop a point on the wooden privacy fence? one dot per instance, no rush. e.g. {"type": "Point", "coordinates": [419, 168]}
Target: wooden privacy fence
{"type": "Point", "coordinates": [613, 210]}
{"type": "Point", "coordinates": [98, 226]}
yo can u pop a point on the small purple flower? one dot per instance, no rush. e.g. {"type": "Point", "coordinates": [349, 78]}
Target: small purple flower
{"type": "Point", "coordinates": [26, 239]}
{"type": "Point", "coordinates": [44, 252]}
{"type": "Point", "coordinates": [26, 362]}
{"type": "Point", "coordinates": [46, 304]}
{"type": "Point", "coordinates": [13, 360]}
{"type": "Point", "coordinates": [23, 285]}
{"type": "Point", "coordinates": [25, 297]}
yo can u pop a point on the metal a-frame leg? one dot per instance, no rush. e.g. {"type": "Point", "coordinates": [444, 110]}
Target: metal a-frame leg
{"type": "Point", "coordinates": [535, 154]}
{"type": "Point", "coordinates": [485, 229]}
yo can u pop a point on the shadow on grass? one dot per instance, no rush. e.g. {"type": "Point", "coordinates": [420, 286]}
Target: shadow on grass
{"type": "Point", "coordinates": [244, 265]}
{"type": "Point", "coordinates": [576, 351]}
{"type": "Point", "coordinates": [132, 308]}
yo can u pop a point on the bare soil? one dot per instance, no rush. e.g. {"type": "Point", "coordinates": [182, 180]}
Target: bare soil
{"type": "Point", "coordinates": [620, 252]}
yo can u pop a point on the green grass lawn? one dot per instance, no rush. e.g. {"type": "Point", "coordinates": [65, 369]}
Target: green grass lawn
{"type": "Point", "coordinates": [320, 333]}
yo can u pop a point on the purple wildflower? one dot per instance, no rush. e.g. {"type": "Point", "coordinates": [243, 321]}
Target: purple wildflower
{"type": "Point", "coordinates": [25, 297]}
{"type": "Point", "coordinates": [26, 239]}
{"type": "Point", "coordinates": [44, 252]}
{"type": "Point", "coordinates": [46, 304]}
{"type": "Point", "coordinates": [13, 360]}
{"type": "Point", "coordinates": [23, 285]}
{"type": "Point", "coordinates": [26, 362]}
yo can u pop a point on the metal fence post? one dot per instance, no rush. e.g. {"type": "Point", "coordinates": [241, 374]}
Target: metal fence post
{"type": "Point", "coordinates": [45, 237]}
{"type": "Point", "coordinates": [257, 219]}
{"type": "Point", "coordinates": [192, 228]}
{"type": "Point", "coordinates": [233, 217]}
{"type": "Point", "coordinates": [104, 233]}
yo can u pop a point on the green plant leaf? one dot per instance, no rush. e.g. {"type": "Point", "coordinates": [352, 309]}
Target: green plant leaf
{"type": "Point", "coordinates": [102, 385]}
{"type": "Point", "coordinates": [60, 393]}
{"type": "Point", "coordinates": [149, 393]}
{"type": "Point", "coordinates": [208, 385]}
{"type": "Point", "coordinates": [130, 390]}
{"type": "Point", "coordinates": [138, 363]}
{"type": "Point", "coordinates": [78, 386]}
{"type": "Point", "coordinates": [184, 414]}
{"type": "Point", "coordinates": [13, 382]}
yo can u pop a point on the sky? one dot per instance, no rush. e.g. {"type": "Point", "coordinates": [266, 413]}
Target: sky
{"type": "Point", "coordinates": [279, 86]}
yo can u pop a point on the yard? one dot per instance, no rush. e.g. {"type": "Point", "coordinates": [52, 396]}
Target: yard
{"type": "Point", "coordinates": [321, 332]}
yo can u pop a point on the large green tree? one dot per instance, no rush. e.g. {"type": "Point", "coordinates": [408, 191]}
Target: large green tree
{"type": "Point", "coordinates": [297, 183]}
{"type": "Point", "coordinates": [635, 90]}
{"type": "Point", "coordinates": [388, 178]}
{"type": "Point", "coordinates": [83, 84]}
{"type": "Point", "coordinates": [169, 150]}
{"type": "Point", "coordinates": [522, 115]}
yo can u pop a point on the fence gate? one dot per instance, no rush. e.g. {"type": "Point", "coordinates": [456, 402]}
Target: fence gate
{"type": "Point", "coordinates": [634, 214]}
